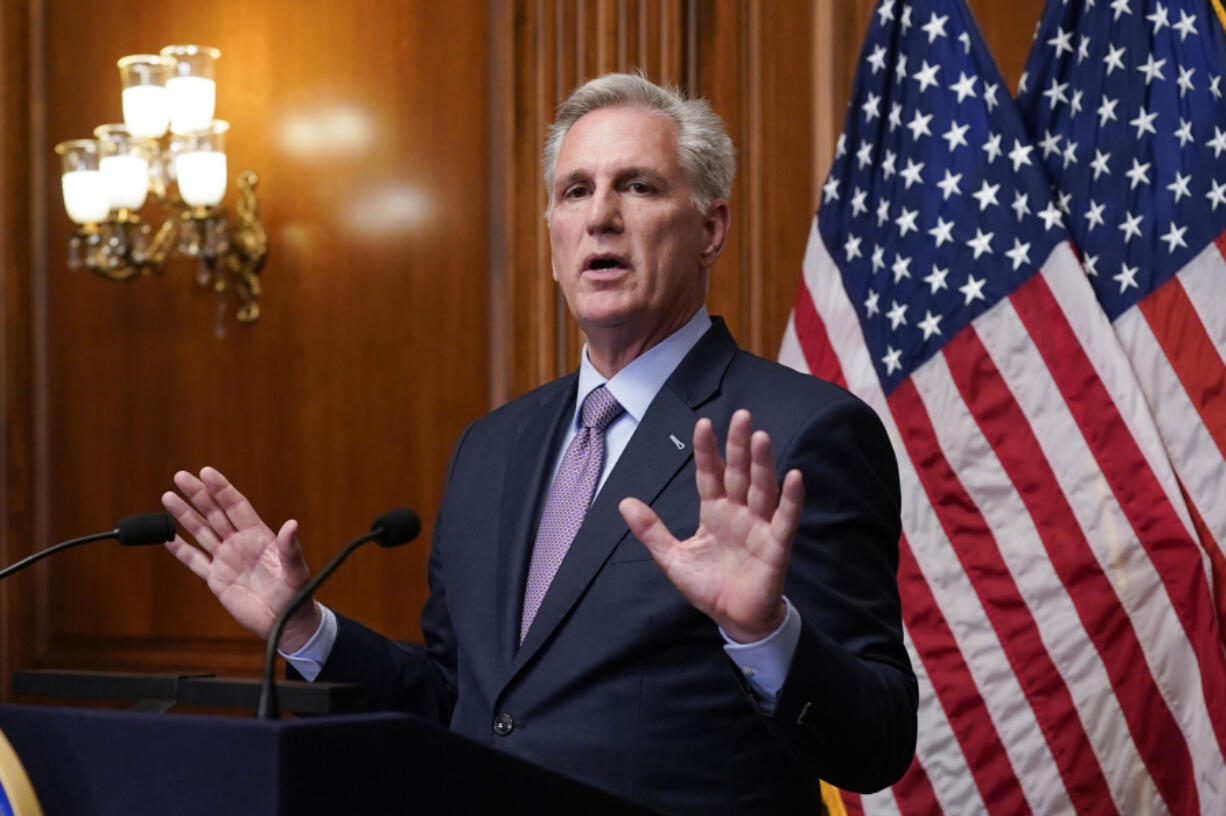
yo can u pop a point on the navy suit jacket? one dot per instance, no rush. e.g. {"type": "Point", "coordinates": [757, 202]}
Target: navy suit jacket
{"type": "Point", "coordinates": [620, 682]}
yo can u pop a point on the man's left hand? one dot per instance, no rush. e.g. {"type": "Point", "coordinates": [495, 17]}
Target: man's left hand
{"type": "Point", "coordinates": [733, 567]}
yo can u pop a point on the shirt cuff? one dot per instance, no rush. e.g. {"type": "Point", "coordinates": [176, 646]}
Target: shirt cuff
{"type": "Point", "coordinates": [309, 660]}
{"type": "Point", "coordinates": [765, 663]}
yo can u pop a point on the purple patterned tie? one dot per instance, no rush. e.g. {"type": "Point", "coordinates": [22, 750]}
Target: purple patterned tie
{"type": "Point", "coordinates": [568, 500]}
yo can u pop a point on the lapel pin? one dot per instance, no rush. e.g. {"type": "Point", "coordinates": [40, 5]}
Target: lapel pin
{"type": "Point", "coordinates": [680, 445]}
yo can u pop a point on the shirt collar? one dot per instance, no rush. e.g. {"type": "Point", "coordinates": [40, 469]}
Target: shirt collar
{"type": "Point", "coordinates": [636, 385]}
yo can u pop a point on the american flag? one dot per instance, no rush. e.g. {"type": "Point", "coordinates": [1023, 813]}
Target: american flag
{"type": "Point", "coordinates": [1125, 100]}
{"type": "Point", "coordinates": [1055, 601]}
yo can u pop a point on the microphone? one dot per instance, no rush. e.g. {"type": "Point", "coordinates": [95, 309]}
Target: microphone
{"type": "Point", "coordinates": [148, 528]}
{"type": "Point", "coordinates": [391, 529]}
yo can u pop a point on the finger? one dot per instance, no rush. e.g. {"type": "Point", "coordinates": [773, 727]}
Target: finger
{"type": "Point", "coordinates": [763, 487]}
{"type": "Point", "coordinates": [708, 467]}
{"type": "Point", "coordinates": [198, 493]}
{"type": "Point", "coordinates": [290, 553]}
{"type": "Point", "coordinates": [234, 504]}
{"type": "Point", "coordinates": [193, 558]}
{"type": "Point", "coordinates": [736, 471]}
{"type": "Point", "coordinates": [648, 528]}
{"type": "Point", "coordinates": [190, 520]}
{"type": "Point", "coordinates": [787, 515]}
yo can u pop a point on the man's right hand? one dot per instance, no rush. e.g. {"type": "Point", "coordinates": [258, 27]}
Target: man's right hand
{"type": "Point", "coordinates": [251, 570]}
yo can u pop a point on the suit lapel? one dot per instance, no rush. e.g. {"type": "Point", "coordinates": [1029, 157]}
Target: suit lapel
{"type": "Point", "coordinates": [651, 460]}
{"type": "Point", "coordinates": [529, 464]}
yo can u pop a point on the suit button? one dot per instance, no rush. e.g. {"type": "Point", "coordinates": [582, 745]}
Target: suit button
{"type": "Point", "coordinates": [503, 725]}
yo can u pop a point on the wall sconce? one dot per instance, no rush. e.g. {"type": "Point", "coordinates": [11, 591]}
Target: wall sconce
{"type": "Point", "coordinates": [108, 179]}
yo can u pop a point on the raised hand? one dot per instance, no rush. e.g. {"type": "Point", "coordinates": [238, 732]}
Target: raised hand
{"type": "Point", "coordinates": [733, 567]}
{"type": "Point", "coordinates": [251, 570]}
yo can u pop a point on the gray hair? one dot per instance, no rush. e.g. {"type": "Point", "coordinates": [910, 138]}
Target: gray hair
{"type": "Point", "coordinates": [708, 158]}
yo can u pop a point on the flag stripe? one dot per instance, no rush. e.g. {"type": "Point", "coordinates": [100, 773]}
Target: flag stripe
{"type": "Point", "coordinates": [999, 548]}
{"type": "Point", "coordinates": [814, 343]}
{"type": "Point", "coordinates": [853, 803]}
{"type": "Point", "coordinates": [916, 790]}
{"type": "Point", "coordinates": [1191, 354]}
{"type": "Point", "coordinates": [968, 716]}
{"type": "Point", "coordinates": [1204, 280]}
{"type": "Point", "coordinates": [1160, 531]}
{"type": "Point", "coordinates": [1105, 624]}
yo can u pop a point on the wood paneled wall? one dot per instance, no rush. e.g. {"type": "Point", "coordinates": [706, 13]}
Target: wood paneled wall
{"type": "Point", "coordinates": [407, 289]}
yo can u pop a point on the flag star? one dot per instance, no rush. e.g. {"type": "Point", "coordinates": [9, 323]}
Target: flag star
{"type": "Point", "coordinates": [1144, 122]}
{"type": "Point", "coordinates": [1218, 142]}
{"type": "Point", "coordinates": [906, 221]}
{"type": "Point", "coordinates": [1106, 111]}
{"type": "Point", "coordinates": [1020, 154]}
{"type": "Point", "coordinates": [989, 95]}
{"type": "Point", "coordinates": [912, 173]}
{"type": "Point", "coordinates": [858, 207]}
{"type": "Point", "coordinates": [1180, 186]}
{"type": "Point", "coordinates": [1185, 80]}
{"type": "Point", "coordinates": [919, 125]}
{"type": "Point", "coordinates": [1184, 134]}
{"type": "Point", "coordinates": [1131, 226]}
{"type": "Point", "coordinates": [864, 156]}
{"type": "Point", "coordinates": [926, 76]}
{"type": "Point", "coordinates": [981, 243]}
{"type": "Point", "coordinates": [1056, 92]}
{"type": "Point", "coordinates": [1152, 69]}
{"type": "Point", "coordinates": [905, 22]}
{"type": "Point", "coordinates": [1050, 143]}
{"type": "Point", "coordinates": [1075, 104]}
{"type": "Point", "coordinates": [831, 189]}
{"type": "Point", "coordinates": [900, 69]}
{"type": "Point", "coordinates": [1099, 164]}
{"type": "Point", "coordinates": [930, 325]}
{"type": "Point", "coordinates": [1023, 83]}
{"type": "Point", "coordinates": [986, 195]}
{"type": "Point", "coordinates": [949, 185]}
{"type": "Point", "coordinates": [852, 248]}
{"type": "Point", "coordinates": [992, 148]}
{"type": "Point", "coordinates": [890, 360]}
{"type": "Point", "coordinates": [973, 289]}
{"type": "Point", "coordinates": [936, 279]}
{"type": "Point", "coordinates": [1174, 238]}
{"type": "Point", "coordinates": [1063, 41]}
{"type": "Point", "coordinates": [964, 87]}
{"type": "Point", "coordinates": [871, 107]}
{"type": "Point", "coordinates": [1139, 174]}
{"type": "Point", "coordinates": [1070, 154]}
{"type": "Point", "coordinates": [1083, 49]}
{"type": "Point", "coordinates": [1095, 215]}
{"type": "Point", "coordinates": [943, 231]}
{"type": "Point", "coordinates": [1159, 18]}
{"type": "Point", "coordinates": [1127, 277]}
{"type": "Point", "coordinates": [895, 115]}
{"type": "Point", "coordinates": [886, 11]}
{"type": "Point", "coordinates": [897, 314]}
{"type": "Point", "coordinates": [1218, 194]}
{"type": "Point", "coordinates": [935, 27]}
{"type": "Point", "coordinates": [877, 58]}
{"type": "Point", "coordinates": [883, 211]}
{"type": "Point", "coordinates": [1051, 216]}
{"type": "Point", "coordinates": [1186, 25]}
{"type": "Point", "coordinates": [840, 149]}
{"type": "Point", "coordinates": [1021, 204]}
{"type": "Point", "coordinates": [887, 164]}
{"type": "Point", "coordinates": [1063, 200]}
{"type": "Point", "coordinates": [901, 268]}
{"type": "Point", "coordinates": [870, 303]}
{"type": "Point", "coordinates": [965, 39]}
{"type": "Point", "coordinates": [956, 135]}
{"type": "Point", "coordinates": [1090, 262]}
{"type": "Point", "coordinates": [1120, 7]}
{"type": "Point", "coordinates": [1020, 254]}
{"type": "Point", "coordinates": [1114, 58]}
{"type": "Point", "coordinates": [878, 262]}
{"type": "Point", "coordinates": [1215, 87]}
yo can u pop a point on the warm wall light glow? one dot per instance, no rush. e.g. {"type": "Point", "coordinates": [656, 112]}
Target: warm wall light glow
{"type": "Point", "coordinates": [328, 130]}
{"type": "Point", "coordinates": [390, 208]}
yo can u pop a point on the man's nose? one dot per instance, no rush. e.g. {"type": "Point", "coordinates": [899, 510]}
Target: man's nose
{"type": "Point", "coordinates": [604, 213]}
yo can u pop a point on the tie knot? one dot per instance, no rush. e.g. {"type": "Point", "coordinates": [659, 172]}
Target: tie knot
{"type": "Point", "coordinates": [600, 408]}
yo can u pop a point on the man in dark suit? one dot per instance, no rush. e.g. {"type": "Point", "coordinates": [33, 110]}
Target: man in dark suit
{"type": "Point", "coordinates": [609, 597]}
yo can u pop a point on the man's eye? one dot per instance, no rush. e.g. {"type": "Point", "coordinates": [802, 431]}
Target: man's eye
{"type": "Point", "coordinates": [640, 187]}
{"type": "Point", "coordinates": [575, 192]}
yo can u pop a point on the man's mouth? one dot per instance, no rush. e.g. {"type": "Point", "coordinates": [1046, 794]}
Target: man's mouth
{"type": "Point", "coordinates": [605, 262]}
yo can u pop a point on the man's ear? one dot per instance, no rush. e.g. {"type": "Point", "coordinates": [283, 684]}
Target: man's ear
{"type": "Point", "coordinates": [715, 230]}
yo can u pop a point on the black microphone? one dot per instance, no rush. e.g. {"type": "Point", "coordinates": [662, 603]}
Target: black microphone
{"type": "Point", "coordinates": [149, 528]}
{"type": "Point", "coordinates": [391, 529]}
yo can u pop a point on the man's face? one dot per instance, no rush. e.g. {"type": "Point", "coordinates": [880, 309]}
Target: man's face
{"type": "Point", "coordinates": [630, 249]}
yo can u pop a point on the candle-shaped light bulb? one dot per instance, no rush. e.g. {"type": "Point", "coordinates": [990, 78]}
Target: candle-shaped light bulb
{"type": "Point", "coordinates": [146, 110]}
{"type": "Point", "coordinates": [125, 169]}
{"type": "Point", "coordinates": [200, 164]}
{"type": "Point", "coordinates": [191, 89]}
{"type": "Point", "coordinates": [85, 194]}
